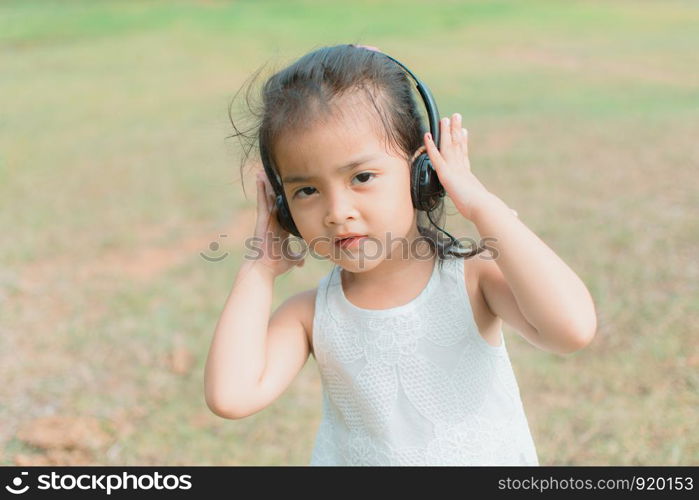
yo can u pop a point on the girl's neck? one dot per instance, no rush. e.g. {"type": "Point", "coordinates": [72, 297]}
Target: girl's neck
{"type": "Point", "coordinates": [404, 277]}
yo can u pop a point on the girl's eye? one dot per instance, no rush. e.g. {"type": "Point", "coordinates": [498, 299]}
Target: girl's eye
{"type": "Point", "coordinates": [365, 173]}
{"type": "Point", "coordinates": [302, 193]}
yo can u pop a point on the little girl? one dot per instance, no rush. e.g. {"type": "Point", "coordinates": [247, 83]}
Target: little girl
{"type": "Point", "coordinates": [406, 328]}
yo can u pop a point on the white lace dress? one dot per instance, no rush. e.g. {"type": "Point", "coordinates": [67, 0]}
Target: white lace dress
{"type": "Point", "coordinates": [414, 384]}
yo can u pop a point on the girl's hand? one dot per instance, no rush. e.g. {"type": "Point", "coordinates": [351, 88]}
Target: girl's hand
{"type": "Point", "coordinates": [453, 168]}
{"type": "Point", "coordinates": [270, 233]}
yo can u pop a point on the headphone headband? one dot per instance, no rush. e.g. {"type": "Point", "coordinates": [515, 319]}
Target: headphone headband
{"type": "Point", "coordinates": [430, 104]}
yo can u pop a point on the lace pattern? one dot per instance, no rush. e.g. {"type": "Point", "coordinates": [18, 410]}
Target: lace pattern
{"type": "Point", "coordinates": [415, 384]}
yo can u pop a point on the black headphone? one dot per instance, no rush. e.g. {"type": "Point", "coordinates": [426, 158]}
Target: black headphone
{"type": "Point", "coordinates": [425, 188]}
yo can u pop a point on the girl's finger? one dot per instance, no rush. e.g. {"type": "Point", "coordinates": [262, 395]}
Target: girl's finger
{"type": "Point", "coordinates": [456, 128]}
{"type": "Point", "coordinates": [464, 140]}
{"type": "Point", "coordinates": [270, 191]}
{"type": "Point", "coordinates": [263, 212]}
{"type": "Point", "coordinates": [370, 47]}
{"type": "Point", "coordinates": [270, 202]}
{"type": "Point", "coordinates": [265, 191]}
{"type": "Point", "coordinates": [433, 152]}
{"type": "Point", "coordinates": [263, 217]}
{"type": "Point", "coordinates": [445, 134]}
{"type": "Point", "coordinates": [262, 205]}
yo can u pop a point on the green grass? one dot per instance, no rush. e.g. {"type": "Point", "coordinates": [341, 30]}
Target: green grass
{"type": "Point", "coordinates": [115, 173]}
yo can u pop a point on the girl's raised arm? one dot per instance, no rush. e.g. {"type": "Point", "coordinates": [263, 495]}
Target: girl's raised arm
{"type": "Point", "coordinates": [239, 350]}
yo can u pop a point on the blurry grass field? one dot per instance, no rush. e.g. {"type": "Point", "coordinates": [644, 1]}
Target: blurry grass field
{"type": "Point", "coordinates": [115, 174]}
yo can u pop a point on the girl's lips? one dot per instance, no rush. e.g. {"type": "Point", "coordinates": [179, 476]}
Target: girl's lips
{"type": "Point", "coordinates": [351, 242]}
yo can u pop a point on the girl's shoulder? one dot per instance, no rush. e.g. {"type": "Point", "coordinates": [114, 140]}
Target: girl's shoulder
{"type": "Point", "coordinates": [304, 303]}
{"type": "Point", "coordinates": [498, 301]}
{"type": "Point", "coordinates": [489, 325]}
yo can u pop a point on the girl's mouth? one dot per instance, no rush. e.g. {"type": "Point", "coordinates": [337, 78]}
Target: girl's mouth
{"type": "Point", "coordinates": [351, 242]}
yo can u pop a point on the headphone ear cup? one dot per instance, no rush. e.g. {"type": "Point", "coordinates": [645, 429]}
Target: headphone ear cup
{"type": "Point", "coordinates": [284, 216]}
{"type": "Point", "coordinates": [426, 190]}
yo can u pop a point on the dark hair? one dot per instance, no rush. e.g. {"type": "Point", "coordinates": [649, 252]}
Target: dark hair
{"type": "Point", "coordinates": [302, 93]}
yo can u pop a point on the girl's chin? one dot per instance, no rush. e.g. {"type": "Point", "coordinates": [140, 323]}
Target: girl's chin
{"type": "Point", "coordinates": [359, 264]}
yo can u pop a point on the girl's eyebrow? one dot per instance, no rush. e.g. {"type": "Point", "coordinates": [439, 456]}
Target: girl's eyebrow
{"type": "Point", "coordinates": [349, 166]}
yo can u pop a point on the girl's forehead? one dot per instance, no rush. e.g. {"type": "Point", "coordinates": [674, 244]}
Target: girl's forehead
{"type": "Point", "coordinates": [329, 141]}
{"type": "Point", "coordinates": [348, 115]}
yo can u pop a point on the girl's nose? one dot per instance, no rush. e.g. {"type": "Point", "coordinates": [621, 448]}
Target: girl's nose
{"type": "Point", "coordinates": [341, 208]}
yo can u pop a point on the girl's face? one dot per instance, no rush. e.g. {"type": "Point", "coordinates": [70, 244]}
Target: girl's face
{"type": "Point", "coordinates": [338, 179]}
